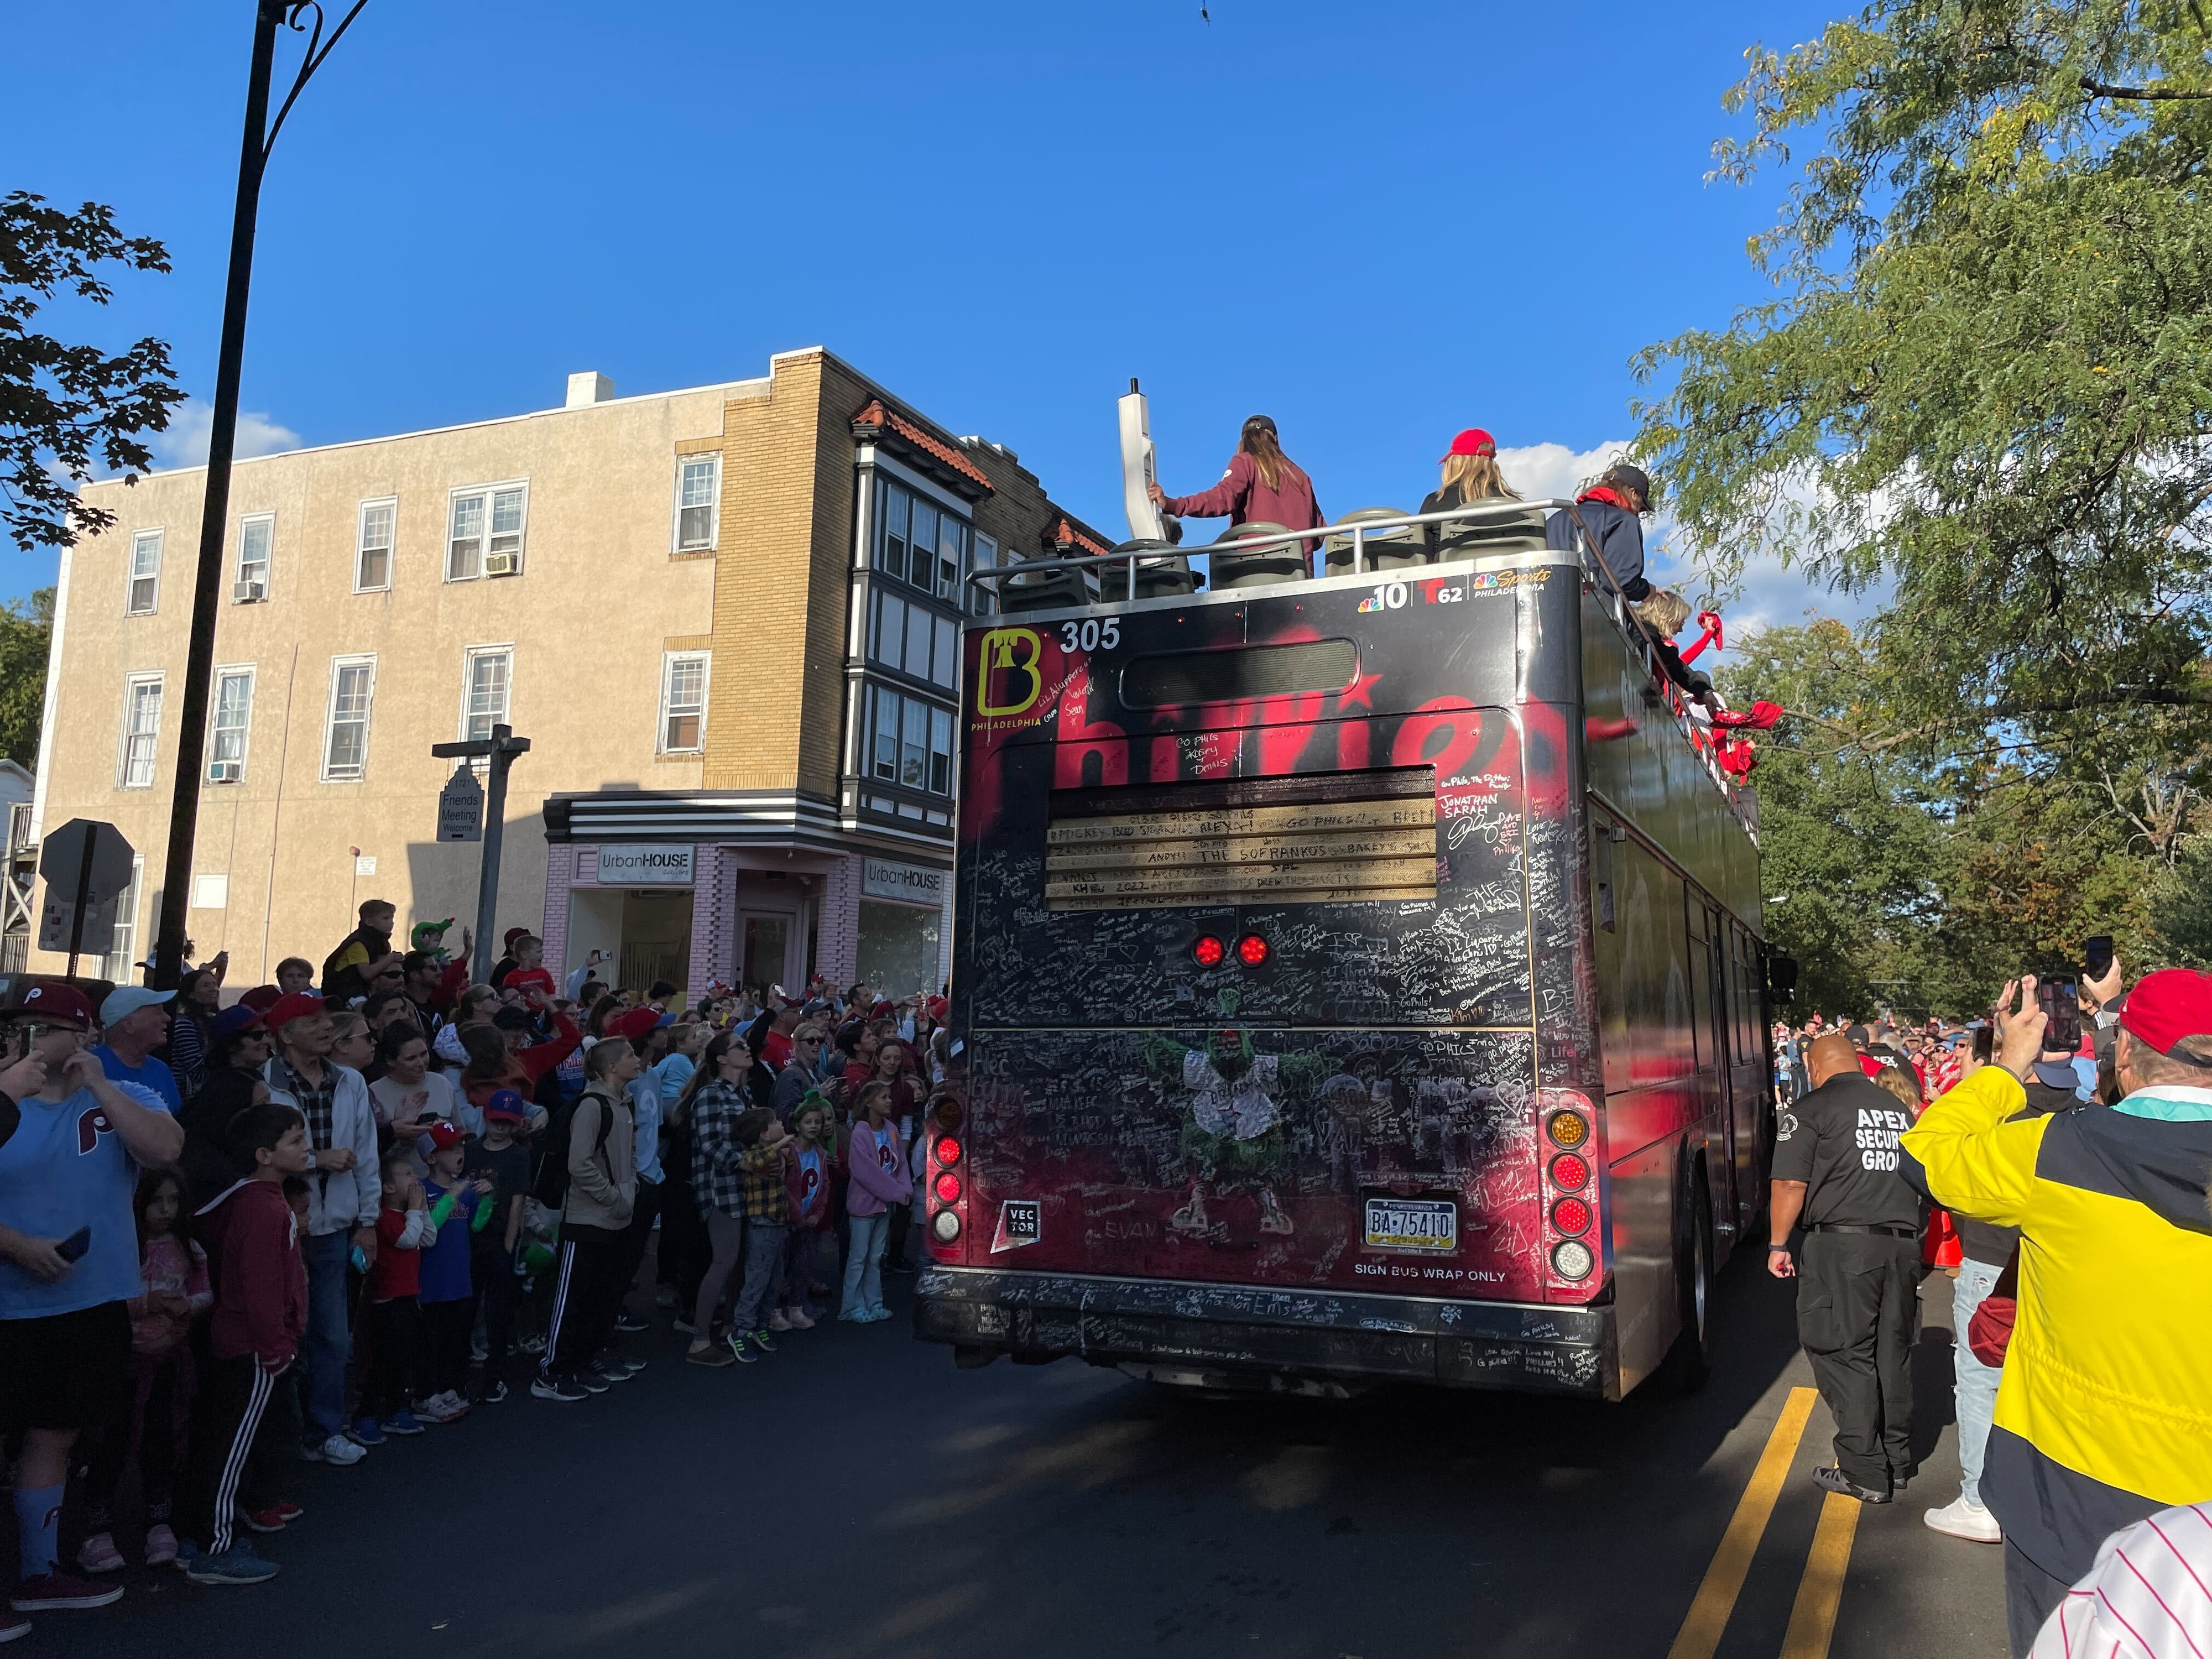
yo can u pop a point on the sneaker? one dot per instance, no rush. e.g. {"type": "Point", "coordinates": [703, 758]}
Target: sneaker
{"type": "Point", "coordinates": [477, 1350]}
{"type": "Point", "coordinates": [605, 1372]}
{"type": "Point", "coordinates": [238, 1565]}
{"type": "Point", "coordinates": [268, 1520]}
{"type": "Point", "coordinates": [761, 1340]}
{"type": "Point", "coordinates": [710, 1355]}
{"type": "Point", "coordinates": [493, 1394]}
{"type": "Point", "coordinates": [367, 1431]}
{"type": "Point", "coordinates": [876, 1316]}
{"type": "Point", "coordinates": [337, 1451]}
{"type": "Point", "coordinates": [685, 1327]}
{"type": "Point", "coordinates": [161, 1545]}
{"type": "Point", "coordinates": [53, 1590]}
{"type": "Point", "coordinates": [777, 1322]}
{"type": "Point", "coordinates": [628, 1321]}
{"type": "Point", "coordinates": [98, 1553]}
{"type": "Point", "coordinates": [855, 1316]}
{"type": "Point", "coordinates": [557, 1388]}
{"type": "Point", "coordinates": [289, 1509]}
{"type": "Point", "coordinates": [12, 1628]}
{"type": "Point", "coordinates": [590, 1381]}
{"type": "Point", "coordinates": [799, 1321]}
{"type": "Point", "coordinates": [739, 1351]}
{"type": "Point", "coordinates": [402, 1421]}
{"type": "Point", "coordinates": [445, 1406]}
{"type": "Point", "coordinates": [629, 1363]}
{"type": "Point", "coordinates": [1835, 1480]}
{"type": "Point", "coordinates": [1962, 1518]}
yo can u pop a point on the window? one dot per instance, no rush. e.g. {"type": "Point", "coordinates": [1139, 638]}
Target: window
{"type": "Point", "coordinates": [920, 544]}
{"type": "Point", "coordinates": [345, 736]}
{"type": "Point", "coordinates": [145, 573]}
{"type": "Point", "coordinates": [255, 536]}
{"type": "Point", "coordinates": [909, 742]}
{"type": "Point", "coordinates": [123, 943]}
{"type": "Point", "coordinates": [698, 502]}
{"type": "Point", "coordinates": [233, 717]}
{"type": "Point", "coordinates": [684, 703]}
{"type": "Point", "coordinates": [944, 666]}
{"type": "Point", "coordinates": [912, 640]}
{"type": "Point", "coordinates": [484, 533]}
{"type": "Point", "coordinates": [372, 566]}
{"type": "Point", "coordinates": [890, 556]}
{"type": "Point", "coordinates": [142, 730]}
{"type": "Point", "coordinates": [986, 558]}
{"type": "Point", "coordinates": [486, 674]}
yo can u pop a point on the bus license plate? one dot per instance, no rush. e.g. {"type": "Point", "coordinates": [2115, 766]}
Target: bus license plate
{"type": "Point", "coordinates": [1430, 1225]}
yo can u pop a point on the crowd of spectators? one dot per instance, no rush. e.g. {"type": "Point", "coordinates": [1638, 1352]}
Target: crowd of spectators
{"type": "Point", "coordinates": [310, 1220]}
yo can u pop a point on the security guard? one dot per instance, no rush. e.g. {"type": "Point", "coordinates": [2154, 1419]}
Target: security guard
{"type": "Point", "coordinates": [1835, 1171]}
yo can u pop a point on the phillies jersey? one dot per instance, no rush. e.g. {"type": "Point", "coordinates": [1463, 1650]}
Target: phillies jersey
{"type": "Point", "coordinates": [65, 1167]}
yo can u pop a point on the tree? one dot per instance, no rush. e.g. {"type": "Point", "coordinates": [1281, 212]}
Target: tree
{"type": "Point", "coordinates": [65, 408]}
{"type": "Point", "coordinates": [25, 633]}
{"type": "Point", "coordinates": [1985, 378]}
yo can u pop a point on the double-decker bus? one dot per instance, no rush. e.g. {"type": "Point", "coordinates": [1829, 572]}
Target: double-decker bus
{"type": "Point", "coordinates": [1356, 978]}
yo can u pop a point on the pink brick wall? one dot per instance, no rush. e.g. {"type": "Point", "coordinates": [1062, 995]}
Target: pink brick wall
{"type": "Point", "coordinates": [714, 917]}
{"type": "Point", "coordinates": [837, 937]}
{"type": "Point", "coordinates": [563, 860]}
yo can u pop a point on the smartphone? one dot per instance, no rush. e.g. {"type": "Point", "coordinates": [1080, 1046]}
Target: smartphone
{"type": "Point", "coordinates": [2097, 956]}
{"type": "Point", "coordinates": [2061, 1007]}
{"type": "Point", "coordinates": [73, 1247]}
{"type": "Point", "coordinates": [1985, 1043]}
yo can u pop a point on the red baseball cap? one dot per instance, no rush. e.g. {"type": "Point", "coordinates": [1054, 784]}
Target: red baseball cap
{"type": "Point", "coordinates": [262, 998]}
{"type": "Point", "coordinates": [438, 1138]}
{"type": "Point", "coordinates": [632, 1023]}
{"type": "Point", "coordinates": [301, 1005]}
{"type": "Point", "coordinates": [2167, 1005]}
{"type": "Point", "coordinates": [48, 1000]}
{"type": "Point", "coordinates": [1473, 441]}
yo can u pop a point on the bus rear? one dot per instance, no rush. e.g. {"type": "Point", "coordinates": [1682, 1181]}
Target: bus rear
{"type": "Point", "coordinates": [1262, 1074]}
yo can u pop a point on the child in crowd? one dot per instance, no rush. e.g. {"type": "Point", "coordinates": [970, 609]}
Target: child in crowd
{"type": "Point", "coordinates": [529, 969]}
{"type": "Point", "coordinates": [806, 1181]}
{"type": "Point", "coordinates": [767, 1154]}
{"type": "Point", "coordinates": [876, 1168]}
{"type": "Point", "coordinates": [390, 1314]}
{"type": "Point", "coordinates": [173, 1292]}
{"type": "Point", "coordinates": [503, 1161]}
{"type": "Point", "coordinates": [252, 1235]}
{"type": "Point", "coordinates": [444, 1296]}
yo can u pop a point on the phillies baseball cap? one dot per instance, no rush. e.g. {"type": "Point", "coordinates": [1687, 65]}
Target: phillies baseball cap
{"type": "Point", "coordinates": [301, 1005]}
{"type": "Point", "coordinates": [238, 1017]}
{"type": "Point", "coordinates": [2167, 1005]}
{"type": "Point", "coordinates": [438, 1138]}
{"type": "Point", "coordinates": [506, 1102]}
{"type": "Point", "coordinates": [632, 1023]}
{"type": "Point", "coordinates": [1473, 441]}
{"type": "Point", "coordinates": [60, 1004]}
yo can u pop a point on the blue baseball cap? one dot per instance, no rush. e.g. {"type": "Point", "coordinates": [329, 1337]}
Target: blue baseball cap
{"type": "Point", "coordinates": [125, 1000]}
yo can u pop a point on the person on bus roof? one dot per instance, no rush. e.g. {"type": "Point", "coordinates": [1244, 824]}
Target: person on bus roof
{"type": "Point", "coordinates": [1611, 510]}
{"type": "Point", "coordinates": [1472, 476]}
{"type": "Point", "coordinates": [1261, 485]}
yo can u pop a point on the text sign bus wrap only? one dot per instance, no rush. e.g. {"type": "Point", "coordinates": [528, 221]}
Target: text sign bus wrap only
{"type": "Point", "coordinates": [645, 867]}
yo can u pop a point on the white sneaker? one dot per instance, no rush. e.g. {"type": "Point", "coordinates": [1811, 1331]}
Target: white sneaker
{"type": "Point", "coordinates": [1961, 1519]}
{"type": "Point", "coordinates": [337, 1450]}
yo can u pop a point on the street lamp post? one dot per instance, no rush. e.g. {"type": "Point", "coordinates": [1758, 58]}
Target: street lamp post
{"type": "Point", "coordinates": [260, 136]}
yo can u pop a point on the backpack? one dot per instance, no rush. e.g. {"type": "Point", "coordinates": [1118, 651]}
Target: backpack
{"type": "Point", "coordinates": [550, 1184]}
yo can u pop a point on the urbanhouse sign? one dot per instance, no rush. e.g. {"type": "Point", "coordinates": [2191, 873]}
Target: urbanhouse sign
{"type": "Point", "coordinates": [645, 867]}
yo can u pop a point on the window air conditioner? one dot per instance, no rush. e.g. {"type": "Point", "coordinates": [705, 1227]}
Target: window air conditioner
{"type": "Point", "coordinates": [502, 564]}
{"type": "Point", "coordinates": [249, 592]}
{"type": "Point", "coordinates": [225, 771]}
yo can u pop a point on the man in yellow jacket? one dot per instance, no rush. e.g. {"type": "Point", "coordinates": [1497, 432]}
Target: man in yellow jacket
{"type": "Point", "coordinates": [2104, 1415]}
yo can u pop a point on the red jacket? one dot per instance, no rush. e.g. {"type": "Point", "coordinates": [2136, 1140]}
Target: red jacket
{"type": "Point", "coordinates": [525, 1066]}
{"type": "Point", "coordinates": [1242, 497]}
{"type": "Point", "coordinates": [253, 1239]}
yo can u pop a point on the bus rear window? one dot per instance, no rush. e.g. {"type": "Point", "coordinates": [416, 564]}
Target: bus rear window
{"type": "Point", "coordinates": [1336, 838]}
{"type": "Point", "coordinates": [1172, 680]}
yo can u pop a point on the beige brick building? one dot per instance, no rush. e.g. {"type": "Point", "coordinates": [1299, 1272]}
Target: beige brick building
{"type": "Point", "coordinates": [725, 618]}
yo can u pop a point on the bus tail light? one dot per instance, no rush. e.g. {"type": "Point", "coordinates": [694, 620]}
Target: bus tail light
{"type": "Point", "coordinates": [946, 1226]}
{"type": "Point", "coordinates": [1208, 951]}
{"type": "Point", "coordinates": [947, 1149]}
{"type": "Point", "coordinates": [947, 1186]}
{"type": "Point", "coordinates": [1572, 1216]}
{"type": "Point", "coordinates": [1573, 1259]}
{"type": "Point", "coordinates": [1251, 949]}
{"type": "Point", "coordinates": [1569, 1130]}
{"type": "Point", "coordinates": [1569, 1174]}
{"type": "Point", "coordinates": [946, 1112]}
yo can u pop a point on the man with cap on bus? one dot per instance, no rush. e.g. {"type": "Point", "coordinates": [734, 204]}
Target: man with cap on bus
{"type": "Point", "coordinates": [1858, 1274]}
{"type": "Point", "coordinates": [2100, 1417]}
{"type": "Point", "coordinates": [1610, 512]}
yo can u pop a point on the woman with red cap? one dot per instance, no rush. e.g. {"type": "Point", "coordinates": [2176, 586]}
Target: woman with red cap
{"type": "Point", "coordinates": [1471, 478]}
{"type": "Point", "coordinates": [1261, 485]}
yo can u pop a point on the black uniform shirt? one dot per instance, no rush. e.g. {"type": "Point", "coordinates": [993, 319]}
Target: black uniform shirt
{"type": "Point", "coordinates": [1841, 1141]}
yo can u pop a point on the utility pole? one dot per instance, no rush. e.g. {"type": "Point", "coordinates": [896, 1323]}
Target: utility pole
{"type": "Point", "coordinates": [259, 138]}
{"type": "Point", "coordinates": [500, 749]}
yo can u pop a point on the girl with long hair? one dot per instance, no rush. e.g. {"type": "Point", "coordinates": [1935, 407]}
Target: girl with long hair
{"type": "Point", "coordinates": [1261, 485]}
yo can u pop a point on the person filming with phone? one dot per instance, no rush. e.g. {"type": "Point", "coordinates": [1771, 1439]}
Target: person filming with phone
{"type": "Point", "coordinates": [69, 1266]}
{"type": "Point", "coordinates": [2100, 1417]}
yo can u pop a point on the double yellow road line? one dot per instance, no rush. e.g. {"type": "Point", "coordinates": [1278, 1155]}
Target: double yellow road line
{"type": "Point", "coordinates": [1812, 1618]}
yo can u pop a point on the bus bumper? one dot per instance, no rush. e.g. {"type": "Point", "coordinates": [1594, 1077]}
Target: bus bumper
{"type": "Point", "coordinates": [1246, 1331]}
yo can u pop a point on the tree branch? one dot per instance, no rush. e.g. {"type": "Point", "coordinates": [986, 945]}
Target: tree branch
{"type": "Point", "coordinates": [2098, 89]}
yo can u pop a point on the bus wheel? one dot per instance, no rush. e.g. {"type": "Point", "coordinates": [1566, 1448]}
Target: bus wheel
{"type": "Point", "coordinates": [1690, 1361]}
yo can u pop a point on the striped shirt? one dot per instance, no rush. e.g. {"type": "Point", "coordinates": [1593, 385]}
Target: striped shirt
{"type": "Point", "coordinates": [2150, 1596]}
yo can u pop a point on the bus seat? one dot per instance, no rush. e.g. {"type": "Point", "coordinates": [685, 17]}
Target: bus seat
{"type": "Point", "coordinates": [1518, 532]}
{"type": "Point", "coordinates": [1041, 590]}
{"type": "Point", "coordinates": [1260, 567]}
{"type": "Point", "coordinates": [1156, 580]}
{"type": "Point", "coordinates": [1393, 550]}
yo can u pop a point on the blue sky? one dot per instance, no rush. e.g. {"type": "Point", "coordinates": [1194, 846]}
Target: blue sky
{"type": "Point", "coordinates": [1377, 223]}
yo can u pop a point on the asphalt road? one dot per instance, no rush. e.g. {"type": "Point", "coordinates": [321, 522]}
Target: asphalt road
{"type": "Point", "coordinates": [854, 1496]}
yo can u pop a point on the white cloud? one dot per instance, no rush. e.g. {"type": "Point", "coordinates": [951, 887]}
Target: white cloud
{"type": "Point", "coordinates": [1543, 471]}
{"type": "Point", "coordinates": [185, 442]}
